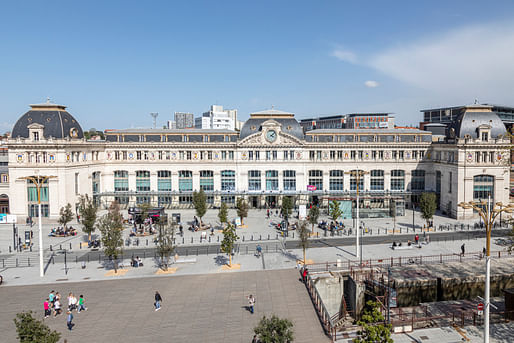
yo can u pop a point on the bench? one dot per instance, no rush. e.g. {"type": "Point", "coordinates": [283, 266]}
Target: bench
{"type": "Point", "coordinates": [403, 247]}
{"type": "Point", "coordinates": [186, 260]}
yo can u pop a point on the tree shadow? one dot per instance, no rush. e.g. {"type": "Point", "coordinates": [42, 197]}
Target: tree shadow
{"type": "Point", "coordinates": [221, 260]}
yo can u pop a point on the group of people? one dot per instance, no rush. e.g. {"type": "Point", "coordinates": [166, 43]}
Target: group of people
{"type": "Point", "coordinates": [53, 304]}
{"type": "Point", "coordinates": [416, 241]}
{"type": "Point", "coordinates": [62, 231]}
{"type": "Point", "coordinates": [136, 262]}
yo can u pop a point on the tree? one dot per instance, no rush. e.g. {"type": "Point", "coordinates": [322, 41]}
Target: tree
{"type": "Point", "coordinates": [274, 330]}
{"type": "Point", "coordinates": [303, 234]}
{"type": "Point", "coordinates": [88, 211]}
{"type": "Point", "coordinates": [165, 244]}
{"type": "Point", "coordinates": [200, 203]}
{"type": "Point", "coordinates": [223, 214]}
{"type": "Point", "coordinates": [111, 227]}
{"type": "Point", "coordinates": [144, 211]}
{"type": "Point", "coordinates": [242, 209]}
{"type": "Point", "coordinates": [428, 205]}
{"type": "Point", "coordinates": [287, 207]}
{"type": "Point", "coordinates": [66, 215]}
{"type": "Point", "coordinates": [229, 239]}
{"type": "Point", "coordinates": [334, 210]}
{"type": "Point", "coordinates": [32, 330]}
{"type": "Point", "coordinates": [372, 328]}
{"type": "Point", "coordinates": [313, 216]}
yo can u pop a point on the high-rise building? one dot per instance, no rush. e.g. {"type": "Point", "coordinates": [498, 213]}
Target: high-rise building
{"type": "Point", "coordinates": [217, 118]}
{"type": "Point", "coordinates": [184, 120]}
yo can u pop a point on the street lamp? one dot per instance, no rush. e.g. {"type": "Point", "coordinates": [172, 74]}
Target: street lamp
{"type": "Point", "coordinates": [357, 174]}
{"type": "Point", "coordinates": [488, 212]}
{"type": "Point", "coordinates": [38, 181]}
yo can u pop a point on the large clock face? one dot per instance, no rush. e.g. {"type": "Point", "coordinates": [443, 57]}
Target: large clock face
{"type": "Point", "coordinates": [271, 135]}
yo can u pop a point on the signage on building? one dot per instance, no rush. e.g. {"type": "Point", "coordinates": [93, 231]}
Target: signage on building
{"type": "Point", "coordinates": [311, 188]}
{"type": "Point", "coordinates": [382, 124]}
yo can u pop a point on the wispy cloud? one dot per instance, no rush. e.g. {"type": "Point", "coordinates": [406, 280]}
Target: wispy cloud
{"type": "Point", "coordinates": [470, 61]}
{"type": "Point", "coordinates": [371, 84]}
{"type": "Point", "coordinates": [344, 55]}
{"type": "Point", "coordinates": [5, 126]}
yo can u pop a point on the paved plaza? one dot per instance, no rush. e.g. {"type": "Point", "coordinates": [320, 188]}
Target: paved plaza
{"type": "Point", "coordinates": [200, 308]}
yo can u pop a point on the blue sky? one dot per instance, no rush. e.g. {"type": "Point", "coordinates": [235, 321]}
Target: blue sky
{"type": "Point", "coordinates": [112, 63]}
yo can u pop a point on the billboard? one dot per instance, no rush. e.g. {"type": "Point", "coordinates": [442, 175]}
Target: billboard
{"type": "Point", "coordinates": [311, 188]}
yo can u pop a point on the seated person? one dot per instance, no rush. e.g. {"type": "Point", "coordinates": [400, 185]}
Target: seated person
{"type": "Point", "coordinates": [133, 262]}
{"type": "Point", "coordinates": [139, 262]}
{"type": "Point", "coordinates": [394, 244]}
{"type": "Point", "coordinates": [408, 243]}
{"type": "Point", "coordinates": [400, 244]}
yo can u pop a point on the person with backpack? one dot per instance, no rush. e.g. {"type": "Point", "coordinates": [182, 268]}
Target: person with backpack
{"type": "Point", "coordinates": [158, 300]}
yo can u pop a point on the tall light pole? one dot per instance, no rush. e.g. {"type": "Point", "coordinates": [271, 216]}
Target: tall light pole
{"type": "Point", "coordinates": [488, 212]}
{"type": "Point", "coordinates": [357, 174]}
{"type": "Point", "coordinates": [39, 181]}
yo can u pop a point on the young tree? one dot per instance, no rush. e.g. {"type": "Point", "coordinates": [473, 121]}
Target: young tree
{"type": "Point", "coordinates": [287, 207]}
{"type": "Point", "coordinates": [242, 209]}
{"type": "Point", "coordinates": [165, 245]}
{"type": "Point", "coordinates": [66, 215]}
{"type": "Point", "coordinates": [200, 203]}
{"type": "Point", "coordinates": [428, 205]}
{"type": "Point", "coordinates": [223, 214]}
{"type": "Point", "coordinates": [334, 210]}
{"type": "Point", "coordinates": [229, 239]}
{"type": "Point", "coordinates": [88, 211]}
{"type": "Point", "coordinates": [313, 216]}
{"type": "Point", "coordinates": [32, 330]}
{"type": "Point", "coordinates": [111, 227]}
{"type": "Point", "coordinates": [274, 330]}
{"type": "Point", "coordinates": [371, 331]}
{"type": "Point", "coordinates": [303, 234]}
{"type": "Point", "coordinates": [145, 211]}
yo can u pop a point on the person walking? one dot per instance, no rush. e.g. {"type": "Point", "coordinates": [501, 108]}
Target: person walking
{"type": "Point", "coordinates": [251, 303]}
{"type": "Point", "coordinates": [255, 339]}
{"type": "Point", "coordinates": [462, 249]}
{"type": "Point", "coordinates": [46, 306]}
{"type": "Point", "coordinates": [82, 305]}
{"type": "Point", "coordinates": [158, 300]}
{"type": "Point", "coordinates": [69, 320]}
{"type": "Point", "coordinates": [57, 307]}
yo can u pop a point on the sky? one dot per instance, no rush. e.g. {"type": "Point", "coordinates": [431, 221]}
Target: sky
{"type": "Point", "coordinates": [114, 62]}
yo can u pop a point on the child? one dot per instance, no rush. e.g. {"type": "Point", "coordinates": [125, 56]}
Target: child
{"type": "Point", "coordinates": [82, 306]}
{"type": "Point", "coordinates": [46, 306]}
{"type": "Point", "coordinates": [57, 307]}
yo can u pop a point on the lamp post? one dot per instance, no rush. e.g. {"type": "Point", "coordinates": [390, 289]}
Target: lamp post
{"type": "Point", "coordinates": [357, 174]}
{"type": "Point", "coordinates": [488, 212]}
{"type": "Point", "coordinates": [39, 181]}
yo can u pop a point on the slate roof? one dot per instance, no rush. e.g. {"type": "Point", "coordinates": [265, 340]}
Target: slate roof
{"type": "Point", "coordinates": [57, 123]}
{"type": "Point", "coordinates": [468, 122]}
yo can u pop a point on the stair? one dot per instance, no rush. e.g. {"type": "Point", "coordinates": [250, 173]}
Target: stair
{"type": "Point", "coordinates": [25, 259]}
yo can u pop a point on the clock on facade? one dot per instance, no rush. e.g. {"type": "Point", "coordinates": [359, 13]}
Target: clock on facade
{"type": "Point", "coordinates": [271, 135]}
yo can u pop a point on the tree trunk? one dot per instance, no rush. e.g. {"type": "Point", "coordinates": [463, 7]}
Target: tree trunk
{"type": "Point", "coordinates": [241, 221]}
{"type": "Point", "coordinates": [89, 237]}
{"type": "Point", "coordinates": [304, 258]}
{"type": "Point", "coordinates": [230, 259]}
{"type": "Point", "coordinates": [115, 261]}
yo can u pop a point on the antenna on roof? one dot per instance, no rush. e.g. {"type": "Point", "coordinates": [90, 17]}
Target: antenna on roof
{"type": "Point", "coordinates": [154, 116]}
{"type": "Point", "coordinates": [476, 101]}
{"type": "Point", "coordinates": [47, 99]}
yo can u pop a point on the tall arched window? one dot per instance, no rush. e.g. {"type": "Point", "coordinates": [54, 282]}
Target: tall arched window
{"type": "Point", "coordinates": [185, 180]}
{"type": "Point", "coordinates": [254, 180]}
{"type": "Point", "coordinates": [228, 180]}
{"type": "Point", "coordinates": [336, 180]}
{"type": "Point", "coordinates": [353, 181]}
{"type": "Point", "coordinates": [397, 180]}
{"type": "Point", "coordinates": [483, 187]}
{"type": "Point", "coordinates": [164, 181]}
{"type": "Point", "coordinates": [271, 180]}
{"type": "Point", "coordinates": [377, 180]}
{"type": "Point", "coordinates": [289, 180]}
{"type": "Point", "coordinates": [121, 181]}
{"type": "Point", "coordinates": [316, 179]}
{"type": "Point", "coordinates": [142, 181]}
{"type": "Point", "coordinates": [418, 180]}
{"type": "Point", "coordinates": [207, 180]}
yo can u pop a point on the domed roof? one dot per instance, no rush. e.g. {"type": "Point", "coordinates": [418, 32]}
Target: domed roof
{"type": "Point", "coordinates": [55, 120]}
{"type": "Point", "coordinates": [287, 121]}
{"type": "Point", "coordinates": [476, 116]}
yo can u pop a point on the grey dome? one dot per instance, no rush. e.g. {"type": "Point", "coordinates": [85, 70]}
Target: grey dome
{"type": "Point", "coordinates": [288, 124]}
{"type": "Point", "coordinates": [468, 123]}
{"type": "Point", "coordinates": [56, 121]}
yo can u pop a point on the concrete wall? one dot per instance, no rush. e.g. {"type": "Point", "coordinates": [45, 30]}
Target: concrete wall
{"type": "Point", "coordinates": [354, 293]}
{"type": "Point", "coordinates": [331, 291]}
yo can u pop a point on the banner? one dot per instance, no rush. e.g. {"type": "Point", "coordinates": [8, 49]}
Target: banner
{"type": "Point", "coordinates": [3, 218]}
{"type": "Point", "coordinates": [302, 212]}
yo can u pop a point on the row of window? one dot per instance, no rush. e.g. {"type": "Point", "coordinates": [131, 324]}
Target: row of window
{"type": "Point", "coordinates": [271, 180]}
{"type": "Point", "coordinates": [367, 155]}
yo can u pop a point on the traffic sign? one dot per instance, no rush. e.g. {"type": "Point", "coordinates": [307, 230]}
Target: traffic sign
{"type": "Point", "coordinates": [480, 307]}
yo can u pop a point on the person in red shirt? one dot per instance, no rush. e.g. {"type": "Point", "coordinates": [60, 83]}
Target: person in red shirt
{"type": "Point", "coordinates": [46, 306]}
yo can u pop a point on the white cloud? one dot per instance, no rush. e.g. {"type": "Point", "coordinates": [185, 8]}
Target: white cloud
{"type": "Point", "coordinates": [474, 61]}
{"type": "Point", "coordinates": [371, 84]}
{"type": "Point", "coordinates": [344, 55]}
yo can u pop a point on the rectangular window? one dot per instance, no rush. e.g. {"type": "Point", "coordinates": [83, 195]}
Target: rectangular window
{"type": "Point", "coordinates": [138, 155]}
{"type": "Point", "coordinates": [336, 182]}
{"type": "Point", "coordinates": [228, 180]}
{"type": "Point", "coordinates": [185, 180]}
{"type": "Point", "coordinates": [271, 180]}
{"type": "Point", "coordinates": [377, 180]}
{"type": "Point", "coordinates": [257, 155]}
{"type": "Point", "coordinates": [268, 155]}
{"type": "Point", "coordinates": [274, 155]}
{"type": "Point", "coordinates": [142, 181]}
{"type": "Point", "coordinates": [164, 181]}
{"type": "Point", "coordinates": [353, 154]}
{"type": "Point", "coordinates": [289, 180]}
{"type": "Point", "coordinates": [254, 180]}
{"type": "Point", "coordinates": [250, 155]}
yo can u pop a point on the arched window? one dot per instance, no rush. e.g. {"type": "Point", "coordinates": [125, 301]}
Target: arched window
{"type": "Point", "coordinates": [164, 181]}
{"type": "Point", "coordinates": [121, 181]}
{"type": "Point", "coordinates": [397, 180]}
{"type": "Point", "coordinates": [377, 180]}
{"type": "Point", "coordinates": [228, 180]}
{"type": "Point", "coordinates": [353, 180]}
{"type": "Point", "coordinates": [336, 180]}
{"type": "Point", "coordinates": [316, 179]}
{"type": "Point", "coordinates": [483, 187]}
{"type": "Point", "coordinates": [271, 180]}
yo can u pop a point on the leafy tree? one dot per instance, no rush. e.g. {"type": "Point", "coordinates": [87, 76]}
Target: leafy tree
{"type": "Point", "coordinates": [274, 330]}
{"type": "Point", "coordinates": [200, 203]}
{"type": "Point", "coordinates": [313, 216]}
{"type": "Point", "coordinates": [428, 205]}
{"type": "Point", "coordinates": [66, 215]}
{"type": "Point", "coordinates": [165, 245]}
{"type": "Point", "coordinates": [242, 209]}
{"type": "Point", "coordinates": [229, 239]}
{"type": "Point", "coordinates": [88, 211]}
{"type": "Point", "coordinates": [303, 234]}
{"type": "Point", "coordinates": [334, 210]}
{"type": "Point", "coordinates": [373, 329]}
{"type": "Point", "coordinates": [32, 330]}
{"type": "Point", "coordinates": [111, 227]}
{"type": "Point", "coordinates": [145, 211]}
{"type": "Point", "coordinates": [223, 213]}
{"type": "Point", "coordinates": [287, 207]}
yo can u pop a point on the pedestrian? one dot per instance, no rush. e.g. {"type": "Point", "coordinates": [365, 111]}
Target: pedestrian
{"type": "Point", "coordinates": [416, 238]}
{"type": "Point", "coordinates": [255, 340]}
{"type": "Point", "coordinates": [158, 300]}
{"type": "Point", "coordinates": [51, 297]}
{"type": "Point", "coordinates": [462, 249]}
{"type": "Point", "coordinates": [70, 301]}
{"type": "Point", "coordinates": [427, 239]}
{"type": "Point", "coordinates": [82, 305]}
{"type": "Point", "coordinates": [57, 307]}
{"type": "Point", "coordinates": [304, 274]}
{"type": "Point", "coordinates": [69, 320]}
{"type": "Point", "coordinates": [46, 306]}
{"type": "Point", "coordinates": [251, 303]}
{"type": "Point", "coordinates": [484, 251]}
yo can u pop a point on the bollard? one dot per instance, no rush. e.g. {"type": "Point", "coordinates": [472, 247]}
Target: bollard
{"type": "Point", "coordinates": [80, 245]}
{"type": "Point", "coordinates": [218, 238]}
{"type": "Point", "coordinates": [268, 236]}
{"type": "Point", "coordinates": [209, 242]}
{"type": "Point", "coordinates": [28, 261]}
{"type": "Point", "coordinates": [76, 259]}
{"type": "Point", "coordinates": [252, 238]}
{"type": "Point", "coordinates": [147, 242]}
{"type": "Point", "coordinates": [9, 249]}
{"type": "Point", "coordinates": [16, 262]}
{"type": "Point", "coordinates": [260, 237]}
{"type": "Point", "coordinates": [243, 238]}
{"type": "Point", "coordinates": [247, 249]}
{"type": "Point", "coordinates": [187, 252]}
{"type": "Point", "coordinates": [191, 239]}
{"type": "Point", "coordinates": [196, 251]}
{"type": "Point", "coordinates": [70, 246]}
{"type": "Point", "coordinates": [60, 246]}
{"type": "Point", "coordinates": [293, 235]}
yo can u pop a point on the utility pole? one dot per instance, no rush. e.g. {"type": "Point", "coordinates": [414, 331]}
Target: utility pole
{"type": "Point", "coordinates": [358, 174]}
